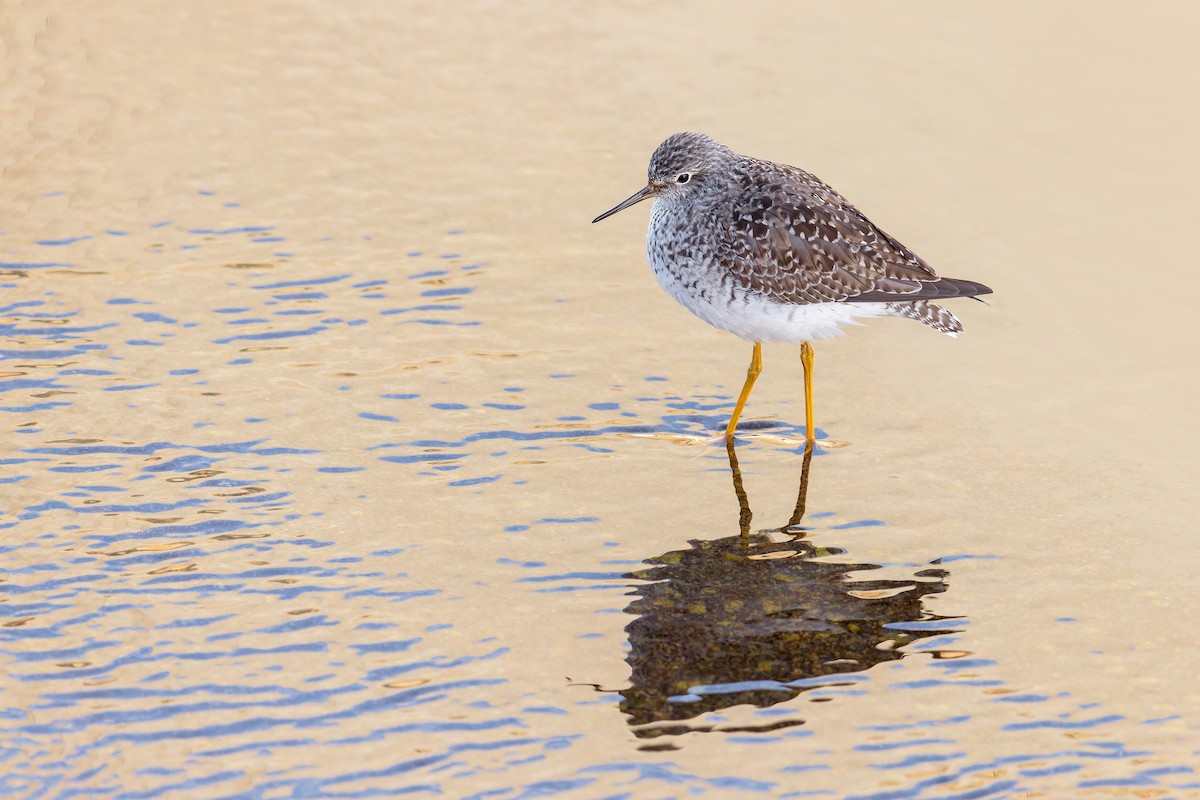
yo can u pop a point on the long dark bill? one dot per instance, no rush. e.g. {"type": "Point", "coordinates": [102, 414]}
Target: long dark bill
{"type": "Point", "coordinates": [642, 194]}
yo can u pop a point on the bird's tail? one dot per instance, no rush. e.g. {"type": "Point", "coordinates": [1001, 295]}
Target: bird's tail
{"type": "Point", "coordinates": [929, 314]}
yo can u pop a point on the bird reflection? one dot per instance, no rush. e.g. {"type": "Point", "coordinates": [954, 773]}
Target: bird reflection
{"type": "Point", "coordinates": [735, 620]}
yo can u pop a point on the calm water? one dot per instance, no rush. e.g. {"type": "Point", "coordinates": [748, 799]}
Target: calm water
{"type": "Point", "coordinates": [345, 460]}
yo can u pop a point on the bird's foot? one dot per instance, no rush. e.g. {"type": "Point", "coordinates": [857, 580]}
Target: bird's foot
{"type": "Point", "coordinates": [780, 439]}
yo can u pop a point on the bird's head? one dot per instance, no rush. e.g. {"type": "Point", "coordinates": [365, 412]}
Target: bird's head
{"type": "Point", "coordinates": [679, 166]}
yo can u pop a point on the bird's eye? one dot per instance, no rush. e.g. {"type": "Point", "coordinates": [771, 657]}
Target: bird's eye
{"type": "Point", "coordinates": [683, 177]}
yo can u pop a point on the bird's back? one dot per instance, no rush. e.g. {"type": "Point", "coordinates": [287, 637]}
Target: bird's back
{"type": "Point", "coordinates": [797, 240]}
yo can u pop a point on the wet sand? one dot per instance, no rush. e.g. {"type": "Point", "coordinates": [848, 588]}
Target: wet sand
{"type": "Point", "coordinates": [346, 456]}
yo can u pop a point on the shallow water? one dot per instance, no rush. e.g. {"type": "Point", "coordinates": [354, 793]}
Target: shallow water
{"type": "Point", "coordinates": [346, 459]}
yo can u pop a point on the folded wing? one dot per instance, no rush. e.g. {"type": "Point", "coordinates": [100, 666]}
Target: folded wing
{"type": "Point", "coordinates": [803, 243]}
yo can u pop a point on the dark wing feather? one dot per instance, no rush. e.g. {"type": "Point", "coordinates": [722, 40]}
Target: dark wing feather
{"type": "Point", "coordinates": [804, 243]}
{"type": "Point", "coordinates": [941, 288]}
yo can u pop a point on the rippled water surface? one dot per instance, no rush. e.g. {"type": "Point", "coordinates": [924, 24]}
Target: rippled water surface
{"type": "Point", "coordinates": [344, 459]}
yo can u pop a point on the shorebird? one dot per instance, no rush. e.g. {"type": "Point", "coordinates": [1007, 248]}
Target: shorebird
{"type": "Point", "coordinates": [771, 253]}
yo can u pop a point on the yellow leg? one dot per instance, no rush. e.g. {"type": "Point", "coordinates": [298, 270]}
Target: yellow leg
{"type": "Point", "coordinates": [751, 376]}
{"type": "Point", "coordinates": [806, 358]}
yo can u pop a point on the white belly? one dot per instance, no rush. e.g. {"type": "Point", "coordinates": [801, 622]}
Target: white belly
{"type": "Point", "coordinates": [754, 318]}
